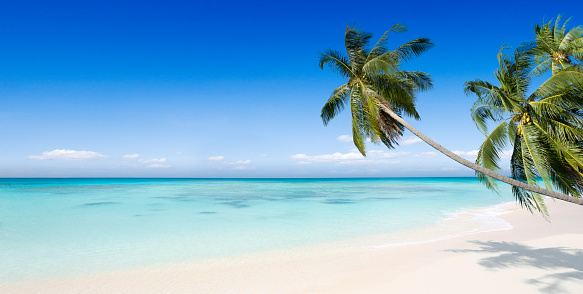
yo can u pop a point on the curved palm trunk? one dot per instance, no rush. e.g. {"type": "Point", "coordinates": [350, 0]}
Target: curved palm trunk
{"type": "Point", "coordinates": [476, 167]}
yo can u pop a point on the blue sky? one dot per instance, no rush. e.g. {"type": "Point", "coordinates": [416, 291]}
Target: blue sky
{"type": "Point", "coordinates": [230, 89]}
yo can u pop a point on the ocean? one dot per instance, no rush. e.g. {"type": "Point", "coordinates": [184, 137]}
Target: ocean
{"type": "Point", "coordinates": [60, 227]}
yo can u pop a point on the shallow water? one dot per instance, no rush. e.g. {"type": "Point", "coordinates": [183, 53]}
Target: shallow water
{"type": "Point", "coordinates": [56, 227]}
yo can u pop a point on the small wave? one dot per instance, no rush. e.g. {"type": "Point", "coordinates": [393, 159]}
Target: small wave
{"type": "Point", "coordinates": [464, 223]}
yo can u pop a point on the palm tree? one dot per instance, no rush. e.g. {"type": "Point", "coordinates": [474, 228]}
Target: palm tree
{"type": "Point", "coordinates": [378, 91]}
{"type": "Point", "coordinates": [556, 48]}
{"type": "Point", "coordinates": [371, 77]}
{"type": "Point", "coordinates": [543, 128]}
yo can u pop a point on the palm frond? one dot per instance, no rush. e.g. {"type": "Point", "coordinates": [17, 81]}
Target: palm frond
{"type": "Point", "coordinates": [398, 92]}
{"type": "Point", "coordinates": [381, 46]}
{"type": "Point", "coordinates": [336, 61]}
{"type": "Point", "coordinates": [561, 82]}
{"type": "Point", "coordinates": [559, 33]}
{"type": "Point", "coordinates": [492, 95]}
{"type": "Point", "coordinates": [488, 154]}
{"type": "Point", "coordinates": [358, 120]}
{"type": "Point", "coordinates": [571, 39]}
{"type": "Point", "coordinates": [542, 65]}
{"type": "Point", "coordinates": [567, 149]}
{"type": "Point", "coordinates": [538, 151]}
{"type": "Point", "coordinates": [356, 42]}
{"type": "Point", "coordinates": [421, 81]}
{"type": "Point", "coordinates": [522, 66]}
{"type": "Point", "coordinates": [335, 103]}
{"type": "Point", "coordinates": [377, 66]}
{"type": "Point", "coordinates": [411, 49]}
{"type": "Point", "coordinates": [522, 170]}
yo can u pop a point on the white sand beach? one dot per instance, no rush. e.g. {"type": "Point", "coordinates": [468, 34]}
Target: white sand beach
{"type": "Point", "coordinates": [531, 256]}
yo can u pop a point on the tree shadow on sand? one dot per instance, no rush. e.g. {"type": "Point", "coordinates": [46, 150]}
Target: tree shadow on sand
{"type": "Point", "coordinates": [565, 263]}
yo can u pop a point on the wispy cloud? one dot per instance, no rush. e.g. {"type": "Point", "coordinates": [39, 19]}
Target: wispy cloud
{"type": "Point", "coordinates": [351, 158]}
{"type": "Point", "coordinates": [385, 154]}
{"type": "Point", "coordinates": [239, 162]}
{"type": "Point", "coordinates": [429, 154]}
{"type": "Point", "coordinates": [467, 154]}
{"type": "Point", "coordinates": [216, 158]}
{"type": "Point", "coordinates": [153, 160]}
{"type": "Point", "coordinates": [344, 138]}
{"type": "Point", "coordinates": [157, 165]}
{"type": "Point", "coordinates": [243, 167]}
{"type": "Point", "coordinates": [366, 162]}
{"type": "Point", "coordinates": [328, 157]}
{"type": "Point", "coordinates": [410, 141]}
{"type": "Point", "coordinates": [131, 156]}
{"type": "Point", "coordinates": [474, 153]}
{"type": "Point", "coordinates": [68, 155]}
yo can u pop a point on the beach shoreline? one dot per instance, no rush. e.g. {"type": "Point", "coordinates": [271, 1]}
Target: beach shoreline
{"type": "Point", "coordinates": [530, 256]}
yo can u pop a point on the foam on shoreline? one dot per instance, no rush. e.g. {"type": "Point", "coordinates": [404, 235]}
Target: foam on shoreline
{"type": "Point", "coordinates": [462, 223]}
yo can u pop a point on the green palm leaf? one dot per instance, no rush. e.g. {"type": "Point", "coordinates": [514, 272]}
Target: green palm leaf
{"type": "Point", "coordinates": [411, 49]}
{"type": "Point", "coordinates": [336, 103]}
{"type": "Point", "coordinates": [381, 46]}
{"type": "Point", "coordinates": [336, 61]}
{"type": "Point", "coordinates": [488, 154]}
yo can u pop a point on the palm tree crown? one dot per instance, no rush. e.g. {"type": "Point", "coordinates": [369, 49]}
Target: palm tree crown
{"type": "Point", "coordinates": [557, 48]}
{"type": "Point", "coordinates": [543, 128]}
{"type": "Point", "coordinates": [374, 78]}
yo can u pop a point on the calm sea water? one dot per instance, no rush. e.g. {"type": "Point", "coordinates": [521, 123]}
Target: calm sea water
{"type": "Point", "coordinates": [55, 227]}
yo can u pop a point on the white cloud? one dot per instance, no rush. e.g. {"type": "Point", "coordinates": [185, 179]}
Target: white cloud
{"type": "Point", "coordinates": [469, 154]}
{"type": "Point", "coordinates": [68, 154]}
{"type": "Point", "coordinates": [351, 158]}
{"type": "Point", "coordinates": [157, 165]}
{"type": "Point", "coordinates": [216, 158]}
{"type": "Point", "coordinates": [240, 162]}
{"type": "Point", "coordinates": [328, 157]}
{"type": "Point", "coordinates": [243, 167]}
{"type": "Point", "coordinates": [410, 141]}
{"type": "Point", "coordinates": [366, 162]}
{"type": "Point", "coordinates": [344, 138]}
{"type": "Point", "coordinates": [131, 156]}
{"type": "Point", "coordinates": [474, 153]}
{"type": "Point", "coordinates": [153, 160]}
{"type": "Point", "coordinates": [263, 154]}
{"type": "Point", "coordinates": [384, 154]}
{"type": "Point", "coordinates": [429, 154]}
{"type": "Point", "coordinates": [222, 160]}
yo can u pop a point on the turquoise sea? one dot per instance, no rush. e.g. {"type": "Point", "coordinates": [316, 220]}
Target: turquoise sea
{"type": "Point", "coordinates": [59, 227]}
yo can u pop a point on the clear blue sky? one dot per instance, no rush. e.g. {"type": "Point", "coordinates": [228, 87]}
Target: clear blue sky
{"type": "Point", "coordinates": [230, 89]}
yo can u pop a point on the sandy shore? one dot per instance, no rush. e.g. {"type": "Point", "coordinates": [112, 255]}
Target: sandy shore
{"type": "Point", "coordinates": [530, 255]}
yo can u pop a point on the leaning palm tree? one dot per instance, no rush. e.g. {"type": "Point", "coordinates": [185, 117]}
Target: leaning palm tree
{"type": "Point", "coordinates": [373, 76]}
{"type": "Point", "coordinates": [557, 48]}
{"type": "Point", "coordinates": [378, 91]}
{"type": "Point", "coordinates": [543, 128]}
